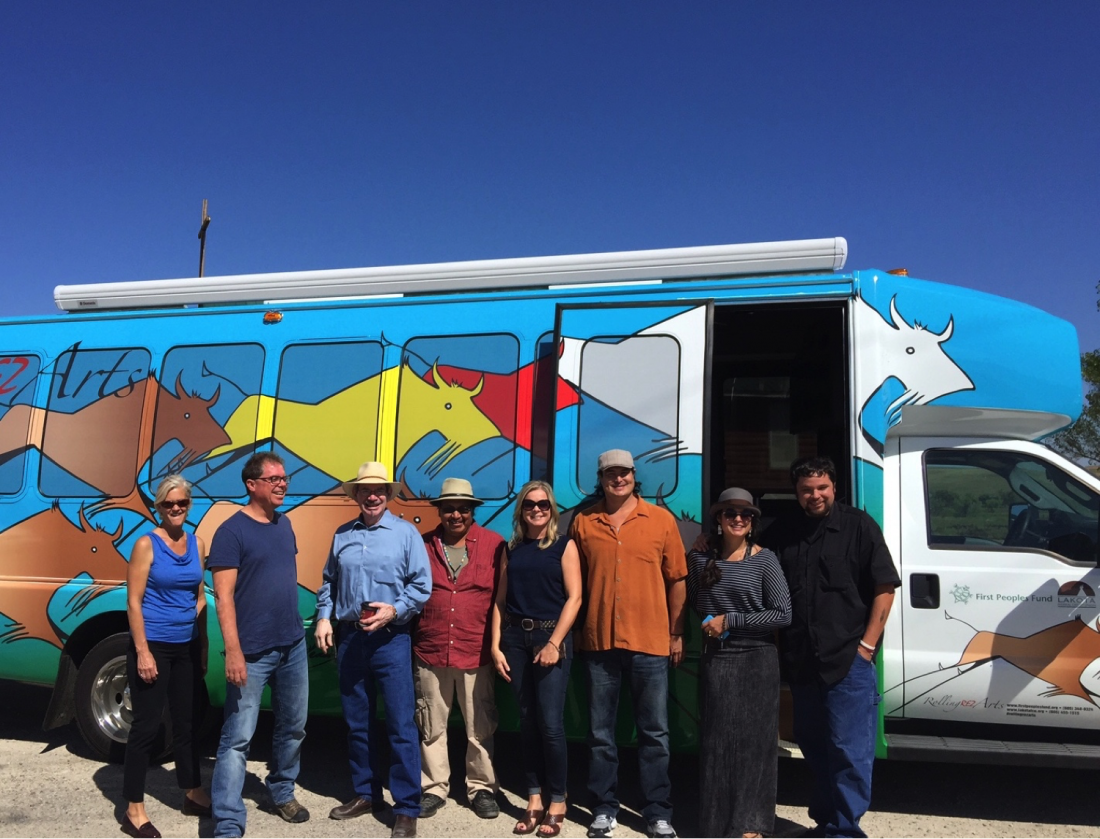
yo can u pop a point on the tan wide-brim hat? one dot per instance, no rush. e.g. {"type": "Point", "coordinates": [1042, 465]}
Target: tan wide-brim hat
{"type": "Point", "coordinates": [371, 472]}
{"type": "Point", "coordinates": [456, 489]}
{"type": "Point", "coordinates": [734, 497]}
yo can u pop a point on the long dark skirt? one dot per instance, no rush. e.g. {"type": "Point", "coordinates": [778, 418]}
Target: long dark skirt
{"type": "Point", "coordinates": [738, 751]}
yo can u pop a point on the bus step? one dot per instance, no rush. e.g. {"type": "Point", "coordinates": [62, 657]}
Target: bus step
{"type": "Point", "coordinates": [963, 750]}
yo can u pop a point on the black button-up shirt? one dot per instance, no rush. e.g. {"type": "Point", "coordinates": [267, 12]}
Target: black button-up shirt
{"type": "Point", "coordinates": [833, 566]}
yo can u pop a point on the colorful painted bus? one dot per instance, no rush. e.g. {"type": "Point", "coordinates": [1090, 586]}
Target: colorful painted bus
{"type": "Point", "coordinates": [713, 365]}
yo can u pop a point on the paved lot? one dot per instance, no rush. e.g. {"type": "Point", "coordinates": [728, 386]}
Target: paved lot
{"type": "Point", "coordinates": [50, 786]}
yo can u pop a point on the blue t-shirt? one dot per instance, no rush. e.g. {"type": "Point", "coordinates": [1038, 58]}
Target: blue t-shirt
{"type": "Point", "coordinates": [172, 593]}
{"type": "Point", "coordinates": [266, 596]}
{"type": "Point", "coordinates": [536, 586]}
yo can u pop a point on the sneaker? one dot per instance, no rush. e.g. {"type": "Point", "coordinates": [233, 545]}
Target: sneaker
{"type": "Point", "coordinates": [660, 829]}
{"type": "Point", "coordinates": [292, 811]}
{"type": "Point", "coordinates": [430, 804]}
{"type": "Point", "coordinates": [602, 825]}
{"type": "Point", "coordinates": [484, 804]}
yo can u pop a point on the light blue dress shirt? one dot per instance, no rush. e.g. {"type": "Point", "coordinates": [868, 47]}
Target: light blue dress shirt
{"type": "Point", "coordinates": [384, 563]}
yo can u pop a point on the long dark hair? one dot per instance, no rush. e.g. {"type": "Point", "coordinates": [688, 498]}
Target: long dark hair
{"type": "Point", "coordinates": [712, 573]}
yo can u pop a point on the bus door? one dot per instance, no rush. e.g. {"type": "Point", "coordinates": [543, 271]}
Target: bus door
{"type": "Point", "coordinates": [999, 585]}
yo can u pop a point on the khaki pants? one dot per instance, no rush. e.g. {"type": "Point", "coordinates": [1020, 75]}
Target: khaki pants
{"type": "Point", "coordinates": [436, 688]}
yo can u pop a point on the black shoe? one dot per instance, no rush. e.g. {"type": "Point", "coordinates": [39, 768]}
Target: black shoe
{"type": "Point", "coordinates": [430, 804]}
{"type": "Point", "coordinates": [484, 804]}
{"type": "Point", "coordinates": [405, 826]}
{"type": "Point", "coordinates": [292, 811]}
{"type": "Point", "coordinates": [193, 808]}
{"type": "Point", "coordinates": [146, 831]}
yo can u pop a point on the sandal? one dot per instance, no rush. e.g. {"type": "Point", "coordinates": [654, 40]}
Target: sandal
{"type": "Point", "coordinates": [551, 825]}
{"type": "Point", "coordinates": [530, 821]}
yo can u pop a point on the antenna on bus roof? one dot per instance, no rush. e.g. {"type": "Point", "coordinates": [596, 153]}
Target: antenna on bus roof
{"type": "Point", "coordinates": [202, 237]}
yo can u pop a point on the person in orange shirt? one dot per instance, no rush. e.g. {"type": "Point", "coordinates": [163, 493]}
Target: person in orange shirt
{"type": "Point", "coordinates": [634, 570]}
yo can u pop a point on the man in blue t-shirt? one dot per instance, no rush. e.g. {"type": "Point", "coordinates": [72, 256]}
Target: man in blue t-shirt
{"type": "Point", "coordinates": [253, 559]}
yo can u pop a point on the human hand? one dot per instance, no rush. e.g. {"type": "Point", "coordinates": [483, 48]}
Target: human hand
{"type": "Point", "coordinates": [701, 544]}
{"type": "Point", "coordinates": [548, 655]}
{"type": "Point", "coordinates": [501, 664]}
{"type": "Point", "coordinates": [322, 634]}
{"type": "Point", "coordinates": [383, 614]}
{"type": "Point", "coordinates": [236, 671]}
{"type": "Point", "coordinates": [866, 653]}
{"type": "Point", "coordinates": [715, 627]}
{"type": "Point", "coordinates": [146, 667]}
{"type": "Point", "coordinates": [676, 650]}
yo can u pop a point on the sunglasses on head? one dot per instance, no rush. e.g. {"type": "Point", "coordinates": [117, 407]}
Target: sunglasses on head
{"type": "Point", "coordinates": [542, 504]}
{"type": "Point", "coordinates": [734, 513]}
{"type": "Point", "coordinates": [168, 505]}
{"type": "Point", "coordinates": [451, 508]}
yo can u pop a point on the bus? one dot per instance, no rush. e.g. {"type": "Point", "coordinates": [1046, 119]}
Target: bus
{"type": "Point", "coordinates": [714, 366]}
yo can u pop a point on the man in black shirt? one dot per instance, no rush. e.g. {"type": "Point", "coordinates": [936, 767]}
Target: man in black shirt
{"type": "Point", "coordinates": [842, 582]}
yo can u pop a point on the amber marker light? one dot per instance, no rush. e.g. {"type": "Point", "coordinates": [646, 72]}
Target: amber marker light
{"type": "Point", "coordinates": [272, 318]}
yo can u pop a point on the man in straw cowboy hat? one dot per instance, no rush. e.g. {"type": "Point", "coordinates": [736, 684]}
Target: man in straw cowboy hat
{"type": "Point", "coordinates": [376, 580]}
{"type": "Point", "coordinates": [452, 650]}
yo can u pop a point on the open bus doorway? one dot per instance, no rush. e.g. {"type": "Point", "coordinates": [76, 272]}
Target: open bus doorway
{"type": "Point", "coordinates": [780, 390]}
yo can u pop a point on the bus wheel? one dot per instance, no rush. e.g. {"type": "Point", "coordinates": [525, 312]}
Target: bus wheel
{"type": "Point", "coordinates": [103, 711]}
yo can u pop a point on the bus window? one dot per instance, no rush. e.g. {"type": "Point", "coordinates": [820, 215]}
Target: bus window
{"type": "Point", "coordinates": [18, 374]}
{"type": "Point", "coordinates": [92, 433]}
{"type": "Point", "coordinates": [456, 413]}
{"type": "Point", "coordinates": [326, 413]}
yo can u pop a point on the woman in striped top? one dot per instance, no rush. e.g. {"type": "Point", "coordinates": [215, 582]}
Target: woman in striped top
{"type": "Point", "coordinates": [740, 590]}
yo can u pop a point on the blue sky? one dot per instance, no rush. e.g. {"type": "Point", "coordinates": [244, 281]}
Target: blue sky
{"type": "Point", "coordinates": [959, 140]}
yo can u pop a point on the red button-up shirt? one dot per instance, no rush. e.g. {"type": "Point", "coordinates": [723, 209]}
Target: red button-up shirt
{"type": "Point", "coordinates": [454, 628]}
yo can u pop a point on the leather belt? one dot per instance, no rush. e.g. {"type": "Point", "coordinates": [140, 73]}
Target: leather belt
{"type": "Point", "coordinates": [528, 624]}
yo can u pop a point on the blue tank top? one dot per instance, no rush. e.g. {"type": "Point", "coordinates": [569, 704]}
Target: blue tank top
{"type": "Point", "coordinates": [171, 595]}
{"type": "Point", "coordinates": [536, 588]}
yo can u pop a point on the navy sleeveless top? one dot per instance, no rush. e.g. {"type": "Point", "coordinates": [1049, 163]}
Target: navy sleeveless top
{"type": "Point", "coordinates": [172, 592]}
{"type": "Point", "coordinates": [536, 588]}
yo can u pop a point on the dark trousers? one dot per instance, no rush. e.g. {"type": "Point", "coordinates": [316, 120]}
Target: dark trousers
{"type": "Point", "coordinates": [540, 692]}
{"type": "Point", "coordinates": [178, 682]}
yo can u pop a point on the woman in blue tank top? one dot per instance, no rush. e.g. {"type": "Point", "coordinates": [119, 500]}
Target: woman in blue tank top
{"type": "Point", "coordinates": [166, 661]}
{"type": "Point", "coordinates": [538, 597]}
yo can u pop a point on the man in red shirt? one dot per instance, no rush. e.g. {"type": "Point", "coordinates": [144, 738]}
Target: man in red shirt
{"type": "Point", "coordinates": [452, 651]}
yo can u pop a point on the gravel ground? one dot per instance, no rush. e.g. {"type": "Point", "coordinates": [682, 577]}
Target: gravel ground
{"type": "Point", "coordinates": [51, 786]}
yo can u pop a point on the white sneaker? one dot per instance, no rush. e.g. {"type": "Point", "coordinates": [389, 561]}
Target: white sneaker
{"type": "Point", "coordinates": [602, 825]}
{"type": "Point", "coordinates": [660, 829]}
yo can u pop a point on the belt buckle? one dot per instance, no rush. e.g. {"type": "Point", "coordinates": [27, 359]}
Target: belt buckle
{"type": "Point", "coordinates": [527, 624]}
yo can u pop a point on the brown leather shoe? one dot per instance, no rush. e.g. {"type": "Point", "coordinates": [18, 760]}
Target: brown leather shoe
{"type": "Point", "coordinates": [357, 807]}
{"type": "Point", "coordinates": [404, 826]}
{"type": "Point", "coordinates": [147, 831]}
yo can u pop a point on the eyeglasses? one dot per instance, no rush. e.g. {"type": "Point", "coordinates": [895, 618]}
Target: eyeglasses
{"type": "Point", "coordinates": [168, 505]}
{"type": "Point", "coordinates": [367, 490]}
{"type": "Point", "coordinates": [733, 513]}
{"type": "Point", "coordinates": [542, 504]}
{"type": "Point", "coordinates": [275, 480]}
{"type": "Point", "coordinates": [465, 509]}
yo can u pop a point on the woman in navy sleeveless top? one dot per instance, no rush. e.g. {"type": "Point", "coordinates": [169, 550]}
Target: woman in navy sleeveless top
{"type": "Point", "coordinates": [538, 597]}
{"type": "Point", "coordinates": [166, 661]}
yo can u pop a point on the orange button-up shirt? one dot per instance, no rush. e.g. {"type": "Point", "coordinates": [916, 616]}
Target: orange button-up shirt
{"type": "Point", "coordinates": [627, 572]}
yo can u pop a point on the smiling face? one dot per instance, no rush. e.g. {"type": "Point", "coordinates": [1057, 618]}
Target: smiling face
{"type": "Point", "coordinates": [456, 516]}
{"type": "Point", "coordinates": [372, 500]}
{"type": "Point", "coordinates": [269, 490]}
{"type": "Point", "coordinates": [617, 482]}
{"type": "Point", "coordinates": [535, 510]}
{"type": "Point", "coordinates": [816, 495]}
{"type": "Point", "coordinates": [735, 522]}
{"type": "Point", "coordinates": [174, 507]}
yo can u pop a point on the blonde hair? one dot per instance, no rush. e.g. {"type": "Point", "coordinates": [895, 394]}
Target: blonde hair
{"type": "Point", "coordinates": [519, 531]}
{"type": "Point", "coordinates": [170, 483]}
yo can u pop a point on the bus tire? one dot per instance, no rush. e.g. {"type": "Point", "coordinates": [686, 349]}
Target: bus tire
{"type": "Point", "coordinates": [103, 712]}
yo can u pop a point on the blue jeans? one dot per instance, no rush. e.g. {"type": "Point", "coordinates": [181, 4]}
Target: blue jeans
{"type": "Point", "coordinates": [369, 663]}
{"type": "Point", "coordinates": [648, 675]}
{"type": "Point", "coordinates": [835, 728]}
{"type": "Point", "coordinates": [286, 670]}
{"type": "Point", "coordinates": [540, 692]}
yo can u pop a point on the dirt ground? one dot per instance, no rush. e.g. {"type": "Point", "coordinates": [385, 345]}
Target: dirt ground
{"type": "Point", "coordinates": [51, 786]}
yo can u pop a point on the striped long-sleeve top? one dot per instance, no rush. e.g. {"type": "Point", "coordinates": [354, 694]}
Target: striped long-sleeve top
{"type": "Point", "coordinates": [752, 593]}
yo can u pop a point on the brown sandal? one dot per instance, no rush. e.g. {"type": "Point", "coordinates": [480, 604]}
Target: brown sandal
{"type": "Point", "coordinates": [530, 821]}
{"type": "Point", "coordinates": [552, 824]}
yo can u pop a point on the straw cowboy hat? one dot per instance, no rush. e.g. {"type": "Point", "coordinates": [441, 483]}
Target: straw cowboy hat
{"type": "Point", "coordinates": [371, 472]}
{"type": "Point", "coordinates": [456, 489]}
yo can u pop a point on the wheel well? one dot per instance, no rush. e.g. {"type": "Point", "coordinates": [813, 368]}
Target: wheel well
{"type": "Point", "coordinates": [92, 631]}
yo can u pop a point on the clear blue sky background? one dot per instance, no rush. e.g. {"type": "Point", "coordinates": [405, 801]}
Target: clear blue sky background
{"type": "Point", "coordinates": [959, 140]}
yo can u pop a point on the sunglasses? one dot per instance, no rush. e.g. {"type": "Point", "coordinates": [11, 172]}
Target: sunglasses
{"type": "Point", "coordinates": [275, 480]}
{"type": "Point", "coordinates": [168, 505]}
{"type": "Point", "coordinates": [731, 513]}
{"type": "Point", "coordinates": [465, 509]}
{"type": "Point", "coordinates": [542, 504]}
